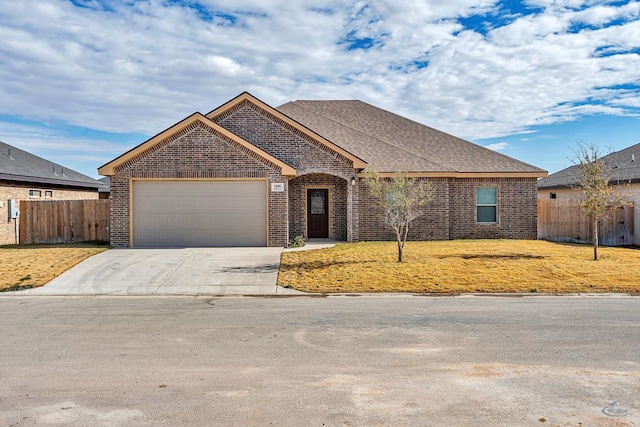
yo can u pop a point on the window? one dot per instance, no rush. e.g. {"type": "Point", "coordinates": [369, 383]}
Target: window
{"type": "Point", "coordinates": [35, 193]}
{"type": "Point", "coordinates": [487, 204]}
{"type": "Point", "coordinates": [552, 195]}
{"type": "Point", "coordinates": [48, 193]}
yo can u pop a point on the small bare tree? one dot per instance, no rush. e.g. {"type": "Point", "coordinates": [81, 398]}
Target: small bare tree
{"type": "Point", "coordinates": [595, 184]}
{"type": "Point", "coordinates": [402, 197]}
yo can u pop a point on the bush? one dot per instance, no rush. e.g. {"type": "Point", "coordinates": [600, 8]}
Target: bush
{"type": "Point", "coordinates": [297, 242]}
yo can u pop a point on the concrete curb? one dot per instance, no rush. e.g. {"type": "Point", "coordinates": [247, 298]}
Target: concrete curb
{"type": "Point", "coordinates": [336, 295]}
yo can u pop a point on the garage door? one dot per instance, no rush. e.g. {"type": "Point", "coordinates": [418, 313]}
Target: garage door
{"type": "Point", "coordinates": [199, 213]}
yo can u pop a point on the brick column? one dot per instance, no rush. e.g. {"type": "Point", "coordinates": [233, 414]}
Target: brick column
{"type": "Point", "coordinates": [353, 219]}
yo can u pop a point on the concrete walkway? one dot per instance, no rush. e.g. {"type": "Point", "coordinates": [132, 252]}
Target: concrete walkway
{"type": "Point", "coordinates": [313, 244]}
{"type": "Point", "coordinates": [187, 271]}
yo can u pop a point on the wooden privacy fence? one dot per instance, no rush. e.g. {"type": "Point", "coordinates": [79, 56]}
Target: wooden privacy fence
{"type": "Point", "coordinates": [562, 220]}
{"type": "Point", "coordinates": [64, 221]}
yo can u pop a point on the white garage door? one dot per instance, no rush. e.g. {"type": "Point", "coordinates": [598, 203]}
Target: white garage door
{"type": "Point", "coordinates": [199, 213]}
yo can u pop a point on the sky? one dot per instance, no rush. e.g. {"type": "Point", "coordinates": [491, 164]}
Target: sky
{"type": "Point", "coordinates": [83, 81]}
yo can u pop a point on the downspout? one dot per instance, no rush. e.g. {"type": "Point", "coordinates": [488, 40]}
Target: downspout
{"type": "Point", "coordinates": [17, 220]}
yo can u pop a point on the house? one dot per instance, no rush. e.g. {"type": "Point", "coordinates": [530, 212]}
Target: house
{"type": "Point", "coordinates": [24, 176]}
{"type": "Point", "coordinates": [248, 174]}
{"type": "Point", "coordinates": [626, 171]}
{"type": "Point", "coordinates": [105, 189]}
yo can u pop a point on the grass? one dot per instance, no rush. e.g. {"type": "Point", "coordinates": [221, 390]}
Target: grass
{"type": "Point", "coordinates": [30, 266]}
{"type": "Point", "coordinates": [458, 266]}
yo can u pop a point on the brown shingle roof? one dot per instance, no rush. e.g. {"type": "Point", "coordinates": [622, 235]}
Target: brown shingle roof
{"type": "Point", "coordinates": [389, 142]}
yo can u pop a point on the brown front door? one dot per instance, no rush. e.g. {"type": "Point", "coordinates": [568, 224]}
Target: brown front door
{"type": "Point", "coordinates": [318, 214]}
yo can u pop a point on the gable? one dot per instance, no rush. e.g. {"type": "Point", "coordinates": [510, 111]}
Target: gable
{"type": "Point", "coordinates": [276, 138]}
{"type": "Point", "coordinates": [199, 153]}
{"type": "Point", "coordinates": [246, 101]}
{"type": "Point", "coordinates": [183, 128]}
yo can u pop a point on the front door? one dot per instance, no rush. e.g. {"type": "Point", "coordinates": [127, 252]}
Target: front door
{"type": "Point", "coordinates": [318, 214]}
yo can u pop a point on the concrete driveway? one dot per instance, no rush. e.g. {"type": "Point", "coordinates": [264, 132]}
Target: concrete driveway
{"type": "Point", "coordinates": [186, 271]}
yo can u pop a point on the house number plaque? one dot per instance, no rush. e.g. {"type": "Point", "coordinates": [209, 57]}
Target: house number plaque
{"type": "Point", "coordinates": [277, 187]}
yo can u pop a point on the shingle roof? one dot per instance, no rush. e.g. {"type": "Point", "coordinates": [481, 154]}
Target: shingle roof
{"type": "Point", "coordinates": [19, 165]}
{"type": "Point", "coordinates": [625, 164]}
{"type": "Point", "coordinates": [106, 185]}
{"type": "Point", "coordinates": [389, 142]}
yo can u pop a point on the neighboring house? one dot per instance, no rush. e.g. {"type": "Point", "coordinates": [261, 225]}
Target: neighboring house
{"type": "Point", "coordinates": [248, 174]}
{"type": "Point", "coordinates": [626, 171]}
{"type": "Point", "coordinates": [24, 176]}
{"type": "Point", "coordinates": [105, 189]}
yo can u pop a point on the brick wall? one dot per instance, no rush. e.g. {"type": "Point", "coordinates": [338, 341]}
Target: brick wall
{"type": "Point", "coordinates": [337, 204]}
{"type": "Point", "coordinates": [20, 191]}
{"type": "Point", "coordinates": [197, 152]}
{"type": "Point", "coordinates": [433, 225]}
{"type": "Point", "coordinates": [517, 209]}
{"type": "Point", "coordinates": [284, 142]}
{"type": "Point", "coordinates": [452, 212]}
{"type": "Point", "coordinates": [315, 164]}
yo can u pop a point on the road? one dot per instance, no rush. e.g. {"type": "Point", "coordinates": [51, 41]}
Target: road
{"type": "Point", "coordinates": [337, 361]}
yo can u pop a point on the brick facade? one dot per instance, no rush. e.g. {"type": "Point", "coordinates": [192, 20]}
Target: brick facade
{"type": "Point", "coordinates": [337, 204]}
{"type": "Point", "coordinates": [20, 191]}
{"type": "Point", "coordinates": [197, 152]}
{"type": "Point", "coordinates": [317, 167]}
{"type": "Point", "coordinates": [433, 225]}
{"type": "Point", "coordinates": [517, 209]}
{"type": "Point", "coordinates": [200, 152]}
{"type": "Point", "coordinates": [452, 212]}
{"type": "Point", "coordinates": [284, 142]}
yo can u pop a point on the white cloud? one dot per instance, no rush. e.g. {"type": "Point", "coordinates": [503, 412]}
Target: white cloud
{"type": "Point", "coordinates": [34, 138]}
{"type": "Point", "coordinates": [498, 146]}
{"type": "Point", "coordinates": [142, 68]}
{"type": "Point", "coordinates": [82, 154]}
{"type": "Point", "coordinates": [600, 15]}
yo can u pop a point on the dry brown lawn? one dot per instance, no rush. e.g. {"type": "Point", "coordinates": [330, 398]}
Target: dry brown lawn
{"type": "Point", "coordinates": [29, 266]}
{"type": "Point", "coordinates": [462, 266]}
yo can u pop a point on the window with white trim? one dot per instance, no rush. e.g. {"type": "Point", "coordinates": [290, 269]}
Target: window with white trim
{"type": "Point", "coordinates": [35, 193]}
{"type": "Point", "coordinates": [487, 204]}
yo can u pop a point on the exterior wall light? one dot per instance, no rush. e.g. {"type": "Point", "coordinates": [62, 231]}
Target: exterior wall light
{"type": "Point", "coordinates": [353, 181]}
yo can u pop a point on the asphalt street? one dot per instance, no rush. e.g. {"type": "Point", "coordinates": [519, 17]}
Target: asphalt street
{"type": "Point", "coordinates": [312, 361]}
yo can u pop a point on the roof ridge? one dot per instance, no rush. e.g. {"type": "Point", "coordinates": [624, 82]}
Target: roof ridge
{"type": "Point", "coordinates": [247, 97]}
{"type": "Point", "coordinates": [403, 118]}
{"type": "Point", "coordinates": [370, 136]}
{"type": "Point", "coordinates": [450, 134]}
{"type": "Point", "coordinates": [625, 171]}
